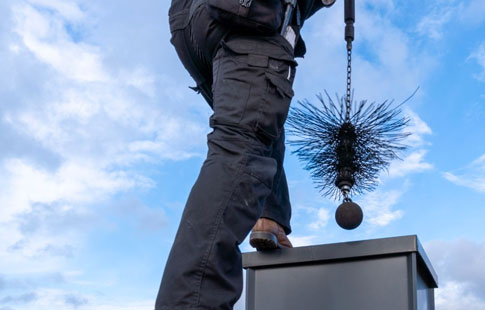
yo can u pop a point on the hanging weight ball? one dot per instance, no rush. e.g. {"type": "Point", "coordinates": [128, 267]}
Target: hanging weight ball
{"type": "Point", "coordinates": [349, 215]}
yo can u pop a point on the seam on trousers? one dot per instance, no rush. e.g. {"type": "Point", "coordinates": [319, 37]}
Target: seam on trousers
{"type": "Point", "coordinates": [216, 229]}
{"type": "Point", "coordinates": [250, 173]}
{"type": "Point", "coordinates": [258, 178]}
{"type": "Point", "coordinates": [216, 72]}
{"type": "Point", "coordinates": [194, 43]}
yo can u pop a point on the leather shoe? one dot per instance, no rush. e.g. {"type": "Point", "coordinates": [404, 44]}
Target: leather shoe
{"type": "Point", "coordinates": [268, 235]}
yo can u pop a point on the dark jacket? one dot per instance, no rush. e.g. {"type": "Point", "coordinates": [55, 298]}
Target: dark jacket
{"type": "Point", "coordinates": [307, 9]}
{"type": "Point", "coordinates": [179, 11]}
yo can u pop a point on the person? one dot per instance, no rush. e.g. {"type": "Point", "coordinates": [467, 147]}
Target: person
{"type": "Point", "coordinates": [247, 79]}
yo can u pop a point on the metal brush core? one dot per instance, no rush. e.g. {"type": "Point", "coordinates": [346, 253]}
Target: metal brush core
{"type": "Point", "coordinates": [349, 215]}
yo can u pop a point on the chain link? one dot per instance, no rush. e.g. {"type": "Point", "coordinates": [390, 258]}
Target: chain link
{"type": "Point", "coordinates": [349, 84]}
{"type": "Point", "coordinates": [346, 195]}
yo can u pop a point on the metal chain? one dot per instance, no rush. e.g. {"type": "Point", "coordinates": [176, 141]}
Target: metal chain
{"type": "Point", "coordinates": [346, 195]}
{"type": "Point", "coordinates": [349, 83]}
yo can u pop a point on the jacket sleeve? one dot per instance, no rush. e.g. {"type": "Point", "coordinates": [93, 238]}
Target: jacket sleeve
{"type": "Point", "coordinates": [312, 6]}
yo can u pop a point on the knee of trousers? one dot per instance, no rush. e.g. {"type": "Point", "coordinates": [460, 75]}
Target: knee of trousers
{"type": "Point", "coordinates": [252, 89]}
{"type": "Point", "coordinates": [236, 152]}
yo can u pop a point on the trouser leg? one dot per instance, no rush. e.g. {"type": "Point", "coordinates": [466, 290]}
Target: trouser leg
{"type": "Point", "coordinates": [204, 268]}
{"type": "Point", "coordinates": [196, 44]}
{"type": "Point", "coordinates": [277, 206]}
{"type": "Point", "coordinates": [251, 101]}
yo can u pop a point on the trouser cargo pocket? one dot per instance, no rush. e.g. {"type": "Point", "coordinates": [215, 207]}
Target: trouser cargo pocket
{"type": "Point", "coordinates": [275, 104]}
{"type": "Point", "coordinates": [252, 89]}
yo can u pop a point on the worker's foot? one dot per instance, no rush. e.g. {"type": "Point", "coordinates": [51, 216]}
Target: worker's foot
{"type": "Point", "coordinates": [268, 235]}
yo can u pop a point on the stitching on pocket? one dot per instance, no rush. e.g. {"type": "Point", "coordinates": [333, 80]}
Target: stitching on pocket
{"type": "Point", "coordinates": [274, 106]}
{"type": "Point", "coordinates": [230, 102]}
{"type": "Point", "coordinates": [282, 85]}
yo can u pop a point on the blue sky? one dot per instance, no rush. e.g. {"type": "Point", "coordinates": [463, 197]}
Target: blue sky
{"type": "Point", "coordinates": [101, 141]}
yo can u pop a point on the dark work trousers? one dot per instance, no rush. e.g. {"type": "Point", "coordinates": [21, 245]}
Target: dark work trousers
{"type": "Point", "coordinates": [247, 80]}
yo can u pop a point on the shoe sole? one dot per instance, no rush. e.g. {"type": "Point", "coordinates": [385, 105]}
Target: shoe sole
{"type": "Point", "coordinates": [263, 241]}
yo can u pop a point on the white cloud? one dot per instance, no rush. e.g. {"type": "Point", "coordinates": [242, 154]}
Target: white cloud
{"type": "Point", "coordinates": [88, 108]}
{"type": "Point", "coordinates": [140, 79]}
{"type": "Point", "coordinates": [395, 66]}
{"type": "Point", "coordinates": [412, 163]}
{"type": "Point", "coordinates": [417, 129]}
{"type": "Point", "coordinates": [45, 36]}
{"type": "Point", "coordinates": [67, 9]}
{"type": "Point", "coordinates": [61, 299]}
{"type": "Point", "coordinates": [97, 119]}
{"type": "Point", "coordinates": [73, 182]}
{"type": "Point", "coordinates": [477, 182]}
{"type": "Point", "coordinates": [321, 219]}
{"type": "Point", "coordinates": [472, 12]}
{"type": "Point", "coordinates": [447, 12]}
{"type": "Point", "coordinates": [472, 176]}
{"type": "Point", "coordinates": [387, 63]}
{"type": "Point", "coordinates": [377, 207]}
{"type": "Point", "coordinates": [297, 240]}
{"type": "Point", "coordinates": [456, 296]}
{"type": "Point", "coordinates": [460, 265]}
{"type": "Point", "coordinates": [44, 213]}
{"type": "Point", "coordinates": [432, 25]}
{"type": "Point", "coordinates": [479, 56]}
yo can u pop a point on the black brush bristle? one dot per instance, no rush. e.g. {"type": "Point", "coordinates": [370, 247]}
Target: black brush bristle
{"type": "Point", "coordinates": [360, 146]}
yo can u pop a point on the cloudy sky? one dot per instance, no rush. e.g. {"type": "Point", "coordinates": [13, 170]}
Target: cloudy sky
{"type": "Point", "coordinates": [101, 141]}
